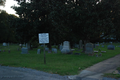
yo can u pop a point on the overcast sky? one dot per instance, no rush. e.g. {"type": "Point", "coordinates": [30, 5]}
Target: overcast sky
{"type": "Point", "coordinates": [8, 5]}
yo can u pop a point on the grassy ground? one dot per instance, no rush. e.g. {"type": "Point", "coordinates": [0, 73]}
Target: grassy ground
{"type": "Point", "coordinates": [59, 63]}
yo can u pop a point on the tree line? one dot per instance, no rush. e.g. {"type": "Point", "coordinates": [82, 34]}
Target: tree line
{"type": "Point", "coordinates": [70, 20]}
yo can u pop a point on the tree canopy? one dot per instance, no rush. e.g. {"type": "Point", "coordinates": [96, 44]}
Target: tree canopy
{"type": "Point", "coordinates": [68, 19]}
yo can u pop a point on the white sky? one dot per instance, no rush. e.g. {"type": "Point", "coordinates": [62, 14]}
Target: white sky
{"type": "Point", "coordinates": [8, 5]}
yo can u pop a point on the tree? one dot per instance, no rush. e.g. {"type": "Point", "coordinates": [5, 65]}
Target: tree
{"type": "Point", "coordinates": [2, 2]}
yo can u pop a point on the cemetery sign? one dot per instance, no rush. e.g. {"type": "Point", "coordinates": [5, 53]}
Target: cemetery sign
{"type": "Point", "coordinates": [43, 38]}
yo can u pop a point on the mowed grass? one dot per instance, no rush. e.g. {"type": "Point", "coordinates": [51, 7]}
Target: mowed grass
{"type": "Point", "coordinates": [59, 63]}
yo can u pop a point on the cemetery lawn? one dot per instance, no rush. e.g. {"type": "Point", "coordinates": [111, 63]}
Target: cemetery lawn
{"type": "Point", "coordinates": [59, 63]}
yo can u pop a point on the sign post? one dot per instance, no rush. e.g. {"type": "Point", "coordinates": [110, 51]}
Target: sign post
{"type": "Point", "coordinates": [43, 39]}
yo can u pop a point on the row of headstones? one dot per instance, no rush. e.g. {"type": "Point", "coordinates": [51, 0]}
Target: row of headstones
{"type": "Point", "coordinates": [25, 50]}
{"type": "Point", "coordinates": [66, 48]}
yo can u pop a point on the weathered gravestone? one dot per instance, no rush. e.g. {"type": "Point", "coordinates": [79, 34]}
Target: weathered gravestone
{"type": "Point", "coordinates": [80, 44]}
{"type": "Point", "coordinates": [60, 47]}
{"type": "Point", "coordinates": [28, 46]}
{"type": "Point", "coordinates": [102, 45]}
{"type": "Point", "coordinates": [110, 47]}
{"type": "Point", "coordinates": [46, 49]}
{"type": "Point", "coordinates": [89, 49]}
{"type": "Point", "coordinates": [54, 50]}
{"type": "Point", "coordinates": [38, 51]}
{"type": "Point", "coordinates": [4, 44]}
{"type": "Point", "coordinates": [24, 50]}
{"type": "Point", "coordinates": [66, 47]}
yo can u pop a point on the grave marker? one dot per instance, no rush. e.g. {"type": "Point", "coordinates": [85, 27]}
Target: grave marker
{"type": "Point", "coordinates": [66, 47]}
{"type": "Point", "coordinates": [89, 49]}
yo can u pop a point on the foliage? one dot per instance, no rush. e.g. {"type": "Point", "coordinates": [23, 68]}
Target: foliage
{"type": "Point", "coordinates": [7, 27]}
{"type": "Point", "coordinates": [2, 2]}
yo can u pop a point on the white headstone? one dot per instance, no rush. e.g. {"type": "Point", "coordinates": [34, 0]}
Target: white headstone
{"type": "Point", "coordinates": [66, 47]}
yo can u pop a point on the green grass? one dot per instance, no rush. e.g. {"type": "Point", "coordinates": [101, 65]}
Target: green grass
{"type": "Point", "coordinates": [111, 75]}
{"type": "Point", "coordinates": [59, 63]}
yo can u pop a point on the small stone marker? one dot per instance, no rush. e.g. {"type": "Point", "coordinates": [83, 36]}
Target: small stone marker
{"type": "Point", "coordinates": [3, 50]}
{"type": "Point", "coordinates": [55, 50]}
{"type": "Point", "coordinates": [66, 47]}
{"type": "Point", "coordinates": [4, 44]}
{"type": "Point", "coordinates": [100, 54]}
{"type": "Point", "coordinates": [80, 44]}
{"type": "Point", "coordinates": [38, 51]}
{"type": "Point", "coordinates": [49, 51]}
{"type": "Point", "coordinates": [102, 45]}
{"type": "Point", "coordinates": [24, 50]}
{"type": "Point", "coordinates": [111, 47]}
{"type": "Point", "coordinates": [89, 49]}
{"type": "Point", "coordinates": [60, 47]}
{"type": "Point", "coordinates": [96, 55]}
{"type": "Point", "coordinates": [95, 51]}
{"type": "Point", "coordinates": [46, 49]}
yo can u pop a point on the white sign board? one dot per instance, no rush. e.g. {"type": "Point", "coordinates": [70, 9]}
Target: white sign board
{"type": "Point", "coordinates": [43, 38]}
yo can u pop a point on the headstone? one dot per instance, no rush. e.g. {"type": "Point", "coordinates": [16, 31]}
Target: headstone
{"type": "Point", "coordinates": [24, 50]}
{"type": "Point", "coordinates": [3, 50]}
{"type": "Point", "coordinates": [46, 49]}
{"type": "Point", "coordinates": [89, 48]}
{"type": "Point", "coordinates": [54, 50]}
{"type": "Point", "coordinates": [38, 51]}
{"type": "Point", "coordinates": [110, 47]}
{"type": "Point", "coordinates": [95, 51]}
{"type": "Point", "coordinates": [66, 47]}
{"type": "Point", "coordinates": [102, 45]}
{"type": "Point", "coordinates": [100, 54]}
{"type": "Point", "coordinates": [4, 44]}
{"type": "Point", "coordinates": [96, 55]}
{"type": "Point", "coordinates": [49, 51]}
{"type": "Point", "coordinates": [28, 45]}
{"type": "Point", "coordinates": [60, 47]}
{"type": "Point", "coordinates": [80, 44]}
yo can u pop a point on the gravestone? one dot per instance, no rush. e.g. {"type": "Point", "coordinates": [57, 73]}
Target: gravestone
{"type": "Point", "coordinates": [110, 47]}
{"type": "Point", "coordinates": [46, 49]}
{"type": "Point", "coordinates": [60, 47]}
{"type": "Point", "coordinates": [38, 51]}
{"type": "Point", "coordinates": [66, 47]}
{"type": "Point", "coordinates": [80, 44]}
{"type": "Point", "coordinates": [24, 50]}
{"type": "Point", "coordinates": [76, 53]}
{"type": "Point", "coordinates": [28, 46]}
{"type": "Point", "coordinates": [100, 54]}
{"type": "Point", "coordinates": [102, 45]}
{"type": "Point", "coordinates": [54, 50]}
{"type": "Point", "coordinates": [4, 44]}
{"type": "Point", "coordinates": [89, 48]}
{"type": "Point", "coordinates": [49, 51]}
